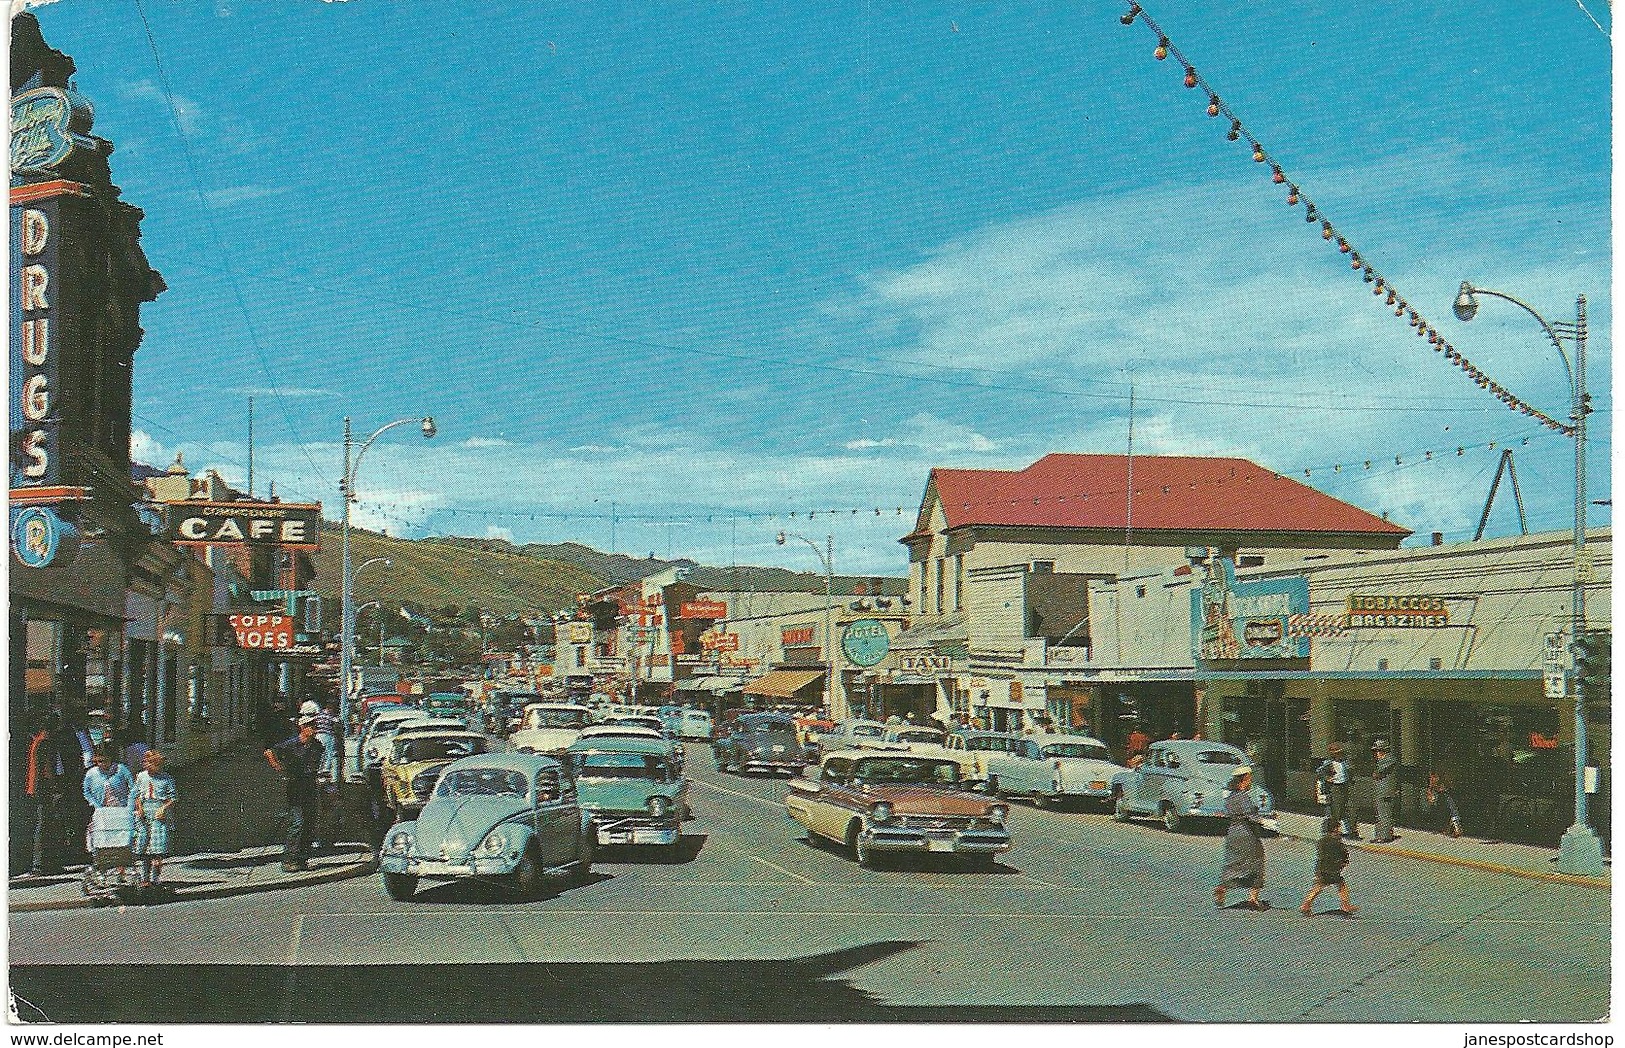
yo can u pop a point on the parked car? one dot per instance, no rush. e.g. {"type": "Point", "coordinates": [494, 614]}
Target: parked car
{"type": "Point", "coordinates": [550, 727]}
{"type": "Point", "coordinates": [875, 803]}
{"type": "Point", "coordinates": [761, 742]}
{"type": "Point", "coordinates": [690, 723]}
{"type": "Point", "coordinates": [507, 816]}
{"type": "Point", "coordinates": [853, 734]}
{"type": "Point", "coordinates": [416, 759]}
{"type": "Point", "coordinates": [911, 736]}
{"type": "Point", "coordinates": [1181, 779]}
{"type": "Point", "coordinates": [448, 704]}
{"type": "Point", "coordinates": [1047, 769]}
{"type": "Point", "coordinates": [374, 739]}
{"type": "Point", "coordinates": [632, 789]}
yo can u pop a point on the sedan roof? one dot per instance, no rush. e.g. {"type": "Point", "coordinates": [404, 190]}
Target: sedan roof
{"type": "Point", "coordinates": [511, 760]}
{"type": "Point", "coordinates": [619, 744]}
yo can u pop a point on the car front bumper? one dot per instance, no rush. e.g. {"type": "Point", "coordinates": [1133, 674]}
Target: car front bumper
{"type": "Point", "coordinates": [785, 763]}
{"type": "Point", "coordinates": [971, 841]}
{"type": "Point", "coordinates": [435, 868]}
{"type": "Point", "coordinates": [614, 829]}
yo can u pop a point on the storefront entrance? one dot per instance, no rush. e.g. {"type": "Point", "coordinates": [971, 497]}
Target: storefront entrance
{"type": "Point", "coordinates": [1511, 779]}
{"type": "Point", "coordinates": [1273, 729]}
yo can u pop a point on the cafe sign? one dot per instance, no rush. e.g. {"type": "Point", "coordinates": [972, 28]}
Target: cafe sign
{"type": "Point", "coordinates": [285, 524]}
{"type": "Point", "coordinates": [1401, 611]}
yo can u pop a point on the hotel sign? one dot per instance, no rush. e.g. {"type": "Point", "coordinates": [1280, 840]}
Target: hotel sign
{"type": "Point", "coordinates": [1397, 612]}
{"type": "Point", "coordinates": [285, 524]}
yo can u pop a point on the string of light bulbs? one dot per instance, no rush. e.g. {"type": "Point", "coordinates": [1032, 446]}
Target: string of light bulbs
{"type": "Point", "coordinates": [1381, 287]}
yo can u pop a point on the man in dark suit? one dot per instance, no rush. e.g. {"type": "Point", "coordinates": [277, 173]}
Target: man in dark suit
{"type": "Point", "coordinates": [1385, 790]}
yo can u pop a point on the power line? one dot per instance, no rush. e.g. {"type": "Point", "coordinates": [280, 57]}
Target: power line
{"type": "Point", "coordinates": [214, 234]}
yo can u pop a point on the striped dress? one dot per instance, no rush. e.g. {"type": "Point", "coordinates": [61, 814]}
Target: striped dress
{"type": "Point", "coordinates": [149, 796]}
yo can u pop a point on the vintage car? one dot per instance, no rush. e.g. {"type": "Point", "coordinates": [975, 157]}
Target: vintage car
{"type": "Point", "coordinates": [447, 704]}
{"type": "Point", "coordinates": [1048, 769]}
{"type": "Point", "coordinates": [416, 759]}
{"type": "Point", "coordinates": [876, 803]}
{"type": "Point", "coordinates": [633, 791]}
{"type": "Point", "coordinates": [853, 734]}
{"type": "Point", "coordinates": [550, 727]}
{"type": "Point", "coordinates": [1181, 779]}
{"type": "Point", "coordinates": [811, 729]}
{"type": "Point", "coordinates": [761, 742]}
{"type": "Point", "coordinates": [506, 816]}
{"type": "Point", "coordinates": [911, 736]}
{"type": "Point", "coordinates": [684, 723]}
{"type": "Point", "coordinates": [375, 739]}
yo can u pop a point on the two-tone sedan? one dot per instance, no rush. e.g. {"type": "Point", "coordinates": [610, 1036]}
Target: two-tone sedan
{"type": "Point", "coordinates": [510, 817]}
{"type": "Point", "coordinates": [1049, 769]}
{"type": "Point", "coordinates": [878, 803]}
{"type": "Point", "coordinates": [415, 761]}
{"type": "Point", "coordinates": [1180, 780]}
{"type": "Point", "coordinates": [631, 788]}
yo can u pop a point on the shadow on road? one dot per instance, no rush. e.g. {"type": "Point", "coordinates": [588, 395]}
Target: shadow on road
{"type": "Point", "coordinates": [802, 989]}
{"type": "Point", "coordinates": [479, 891]}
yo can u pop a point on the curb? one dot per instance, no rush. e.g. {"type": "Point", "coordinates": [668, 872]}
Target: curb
{"type": "Point", "coordinates": [1472, 864]}
{"type": "Point", "coordinates": [224, 891]}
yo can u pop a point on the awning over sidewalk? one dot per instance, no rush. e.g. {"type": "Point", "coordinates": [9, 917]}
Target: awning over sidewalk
{"type": "Point", "coordinates": [711, 685]}
{"type": "Point", "coordinates": [910, 678]}
{"type": "Point", "coordinates": [782, 684]}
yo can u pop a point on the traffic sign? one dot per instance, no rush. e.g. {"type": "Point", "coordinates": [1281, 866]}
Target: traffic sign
{"type": "Point", "coordinates": [1556, 683]}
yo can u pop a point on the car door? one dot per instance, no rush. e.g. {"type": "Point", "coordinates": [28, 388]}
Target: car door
{"type": "Point", "coordinates": [1141, 787]}
{"type": "Point", "coordinates": [554, 818]}
{"type": "Point", "coordinates": [1025, 767]}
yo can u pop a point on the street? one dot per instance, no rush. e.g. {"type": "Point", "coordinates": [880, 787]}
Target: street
{"type": "Point", "coordinates": [1085, 919]}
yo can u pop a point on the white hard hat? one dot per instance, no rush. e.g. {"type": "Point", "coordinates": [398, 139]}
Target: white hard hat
{"type": "Point", "coordinates": [309, 709]}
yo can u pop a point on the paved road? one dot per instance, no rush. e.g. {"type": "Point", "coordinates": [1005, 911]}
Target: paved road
{"type": "Point", "coordinates": [1085, 919]}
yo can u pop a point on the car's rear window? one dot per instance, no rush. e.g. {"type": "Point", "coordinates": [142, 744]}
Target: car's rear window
{"type": "Point", "coordinates": [482, 782]}
{"type": "Point", "coordinates": [1217, 757]}
{"type": "Point", "coordinates": [868, 730]}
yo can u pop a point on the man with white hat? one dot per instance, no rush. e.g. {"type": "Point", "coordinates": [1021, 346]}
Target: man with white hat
{"type": "Point", "coordinates": [300, 759]}
{"type": "Point", "coordinates": [1385, 790]}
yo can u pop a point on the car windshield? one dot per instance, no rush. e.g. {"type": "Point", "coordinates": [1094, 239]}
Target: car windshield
{"type": "Point", "coordinates": [904, 769]}
{"type": "Point", "coordinates": [415, 751]}
{"type": "Point", "coordinates": [988, 744]}
{"type": "Point", "coordinates": [482, 782]}
{"type": "Point", "coordinates": [1218, 757]}
{"type": "Point", "coordinates": [557, 719]}
{"type": "Point", "coordinates": [652, 723]}
{"type": "Point", "coordinates": [919, 735]}
{"type": "Point", "coordinates": [1087, 750]}
{"type": "Point", "coordinates": [622, 766]}
{"type": "Point", "coordinates": [868, 731]}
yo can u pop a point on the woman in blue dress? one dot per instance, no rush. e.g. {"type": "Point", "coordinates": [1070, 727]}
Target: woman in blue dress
{"type": "Point", "coordinates": [1243, 843]}
{"type": "Point", "coordinates": [153, 800]}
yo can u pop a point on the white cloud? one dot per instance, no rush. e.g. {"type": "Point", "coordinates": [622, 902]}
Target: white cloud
{"type": "Point", "coordinates": [494, 532]}
{"type": "Point", "coordinates": [284, 391]}
{"type": "Point", "coordinates": [487, 442]}
{"type": "Point", "coordinates": [146, 449]}
{"type": "Point", "coordinates": [594, 449]}
{"type": "Point", "coordinates": [865, 442]}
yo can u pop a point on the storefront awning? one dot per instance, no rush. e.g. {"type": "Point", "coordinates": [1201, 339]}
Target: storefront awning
{"type": "Point", "coordinates": [711, 685]}
{"type": "Point", "coordinates": [782, 684]}
{"type": "Point", "coordinates": [910, 678]}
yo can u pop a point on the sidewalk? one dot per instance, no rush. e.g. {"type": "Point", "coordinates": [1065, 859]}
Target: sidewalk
{"type": "Point", "coordinates": [1515, 860]}
{"type": "Point", "coordinates": [229, 827]}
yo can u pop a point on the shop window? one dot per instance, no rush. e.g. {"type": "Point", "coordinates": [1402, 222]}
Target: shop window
{"type": "Point", "coordinates": [1139, 591]}
{"type": "Point", "coordinates": [959, 582]}
{"type": "Point", "coordinates": [941, 583]}
{"type": "Point", "coordinates": [1435, 664]}
{"type": "Point", "coordinates": [1043, 567]}
{"type": "Point", "coordinates": [1250, 560]}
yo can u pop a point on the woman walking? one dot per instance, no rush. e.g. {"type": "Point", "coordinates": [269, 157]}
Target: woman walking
{"type": "Point", "coordinates": [1243, 843]}
{"type": "Point", "coordinates": [153, 800]}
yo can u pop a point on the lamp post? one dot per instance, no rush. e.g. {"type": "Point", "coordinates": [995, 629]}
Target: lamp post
{"type": "Point", "coordinates": [1580, 851]}
{"type": "Point", "coordinates": [837, 691]}
{"type": "Point", "coordinates": [347, 575]}
{"type": "Point", "coordinates": [373, 604]}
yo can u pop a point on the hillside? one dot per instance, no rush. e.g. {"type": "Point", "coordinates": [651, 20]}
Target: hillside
{"type": "Point", "coordinates": [432, 573]}
{"type": "Point", "coordinates": [499, 577]}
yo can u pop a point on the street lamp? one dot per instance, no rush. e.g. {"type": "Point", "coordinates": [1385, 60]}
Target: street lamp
{"type": "Point", "coordinates": [837, 692]}
{"type": "Point", "coordinates": [1580, 851]}
{"type": "Point", "coordinates": [347, 579]}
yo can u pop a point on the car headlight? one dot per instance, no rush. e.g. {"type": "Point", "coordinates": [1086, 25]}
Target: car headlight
{"type": "Point", "coordinates": [998, 813]}
{"type": "Point", "coordinates": [494, 842]}
{"type": "Point", "coordinates": [880, 812]}
{"type": "Point", "coordinates": [400, 841]}
{"type": "Point", "coordinates": [659, 806]}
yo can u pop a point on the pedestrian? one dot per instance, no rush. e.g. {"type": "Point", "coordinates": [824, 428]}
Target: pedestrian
{"type": "Point", "coordinates": [1137, 742]}
{"type": "Point", "coordinates": [1334, 772]}
{"type": "Point", "coordinates": [107, 785]}
{"type": "Point", "coordinates": [1385, 791]}
{"type": "Point", "coordinates": [1440, 791]}
{"type": "Point", "coordinates": [1243, 842]}
{"type": "Point", "coordinates": [154, 803]}
{"type": "Point", "coordinates": [300, 759]}
{"type": "Point", "coordinates": [49, 759]}
{"type": "Point", "coordinates": [327, 733]}
{"type": "Point", "coordinates": [1330, 858]}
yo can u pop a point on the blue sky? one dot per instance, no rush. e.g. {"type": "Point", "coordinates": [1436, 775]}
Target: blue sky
{"type": "Point", "coordinates": [725, 260]}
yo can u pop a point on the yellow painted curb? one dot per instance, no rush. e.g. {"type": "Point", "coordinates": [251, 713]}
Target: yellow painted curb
{"type": "Point", "coordinates": [1473, 864]}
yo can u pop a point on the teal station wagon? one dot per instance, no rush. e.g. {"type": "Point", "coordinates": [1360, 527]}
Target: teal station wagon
{"type": "Point", "coordinates": [633, 789]}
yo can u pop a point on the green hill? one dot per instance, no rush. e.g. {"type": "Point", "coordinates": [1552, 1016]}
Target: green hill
{"type": "Point", "coordinates": [433, 573]}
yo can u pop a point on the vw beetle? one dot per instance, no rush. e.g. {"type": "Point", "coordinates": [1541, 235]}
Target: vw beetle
{"type": "Point", "coordinates": [510, 817]}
